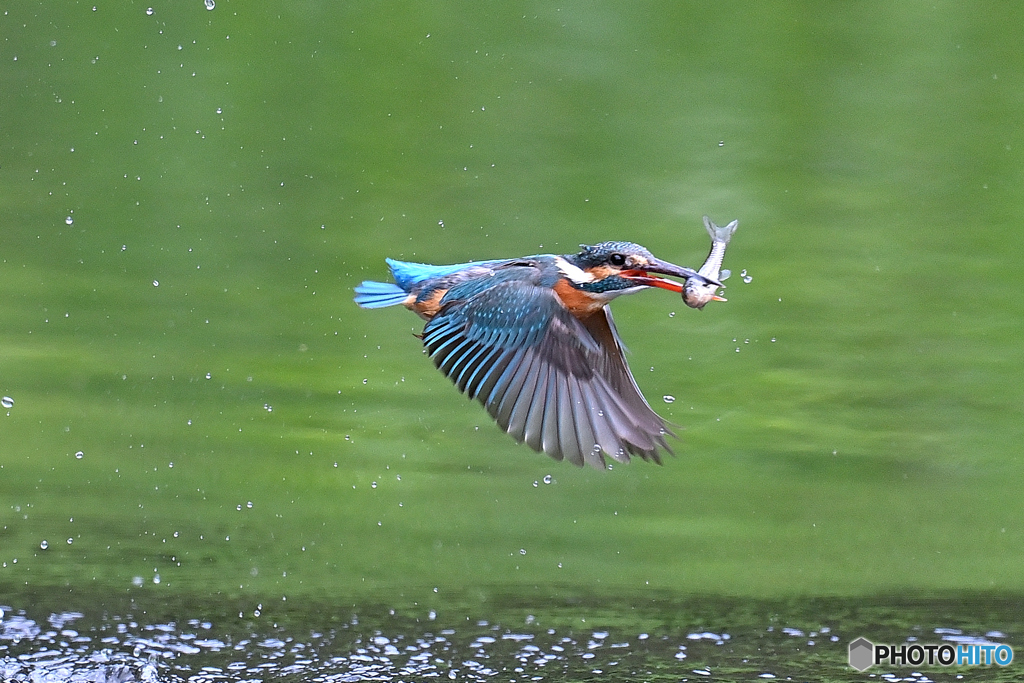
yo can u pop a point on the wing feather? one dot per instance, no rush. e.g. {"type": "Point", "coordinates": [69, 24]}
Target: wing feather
{"type": "Point", "coordinates": [558, 383]}
{"type": "Point", "coordinates": [583, 421]}
{"type": "Point", "coordinates": [519, 391]}
{"type": "Point", "coordinates": [511, 420]}
{"type": "Point", "coordinates": [480, 360]}
{"type": "Point", "coordinates": [534, 407]}
{"type": "Point", "coordinates": [568, 439]}
{"type": "Point", "coordinates": [549, 430]}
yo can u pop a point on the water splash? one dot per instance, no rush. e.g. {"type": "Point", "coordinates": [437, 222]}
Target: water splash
{"type": "Point", "coordinates": [397, 647]}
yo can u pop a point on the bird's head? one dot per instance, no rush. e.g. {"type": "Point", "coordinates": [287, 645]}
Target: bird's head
{"type": "Point", "coordinates": [612, 268]}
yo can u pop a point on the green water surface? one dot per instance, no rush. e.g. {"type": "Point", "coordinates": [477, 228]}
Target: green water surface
{"type": "Point", "coordinates": [199, 409]}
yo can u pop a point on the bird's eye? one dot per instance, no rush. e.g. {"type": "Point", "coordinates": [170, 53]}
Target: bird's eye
{"type": "Point", "coordinates": [617, 260]}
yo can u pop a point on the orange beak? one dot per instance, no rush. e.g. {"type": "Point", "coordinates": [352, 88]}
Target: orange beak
{"type": "Point", "coordinates": [644, 278]}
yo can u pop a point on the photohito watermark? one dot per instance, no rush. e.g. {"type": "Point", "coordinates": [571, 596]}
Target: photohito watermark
{"type": "Point", "coordinates": [865, 654]}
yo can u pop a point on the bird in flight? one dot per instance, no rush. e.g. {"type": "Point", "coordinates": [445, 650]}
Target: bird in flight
{"type": "Point", "coordinates": [533, 340]}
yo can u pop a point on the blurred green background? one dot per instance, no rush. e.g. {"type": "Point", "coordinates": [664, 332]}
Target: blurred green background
{"type": "Point", "coordinates": [190, 195]}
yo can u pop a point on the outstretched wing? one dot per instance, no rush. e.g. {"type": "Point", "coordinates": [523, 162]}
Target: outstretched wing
{"type": "Point", "coordinates": [559, 384]}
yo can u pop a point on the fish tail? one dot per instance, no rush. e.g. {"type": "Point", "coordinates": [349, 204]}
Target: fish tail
{"type": "Point", "coordinates": [720, 233]}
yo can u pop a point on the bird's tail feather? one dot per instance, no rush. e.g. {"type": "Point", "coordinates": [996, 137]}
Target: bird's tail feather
{"type": "Point", "coordinates": [372, 294]}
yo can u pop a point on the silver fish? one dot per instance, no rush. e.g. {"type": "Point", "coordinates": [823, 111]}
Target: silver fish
{"type": "Point", "coordinates": [698, 294]}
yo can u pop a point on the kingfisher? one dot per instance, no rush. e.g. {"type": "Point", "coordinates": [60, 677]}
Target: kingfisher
{"type": "Point", "coordinates": [533, 340]}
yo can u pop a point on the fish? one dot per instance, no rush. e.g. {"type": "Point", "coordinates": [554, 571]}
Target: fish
{"type": "Point", "coordinates": [697, 293]}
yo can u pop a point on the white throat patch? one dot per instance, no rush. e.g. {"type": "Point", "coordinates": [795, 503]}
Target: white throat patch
{"type": "Point", "coordinates": [574, 273]}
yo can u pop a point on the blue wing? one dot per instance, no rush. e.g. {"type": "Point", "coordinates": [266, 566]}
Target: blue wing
{"type": "Point", "coordinates": [559, 384]}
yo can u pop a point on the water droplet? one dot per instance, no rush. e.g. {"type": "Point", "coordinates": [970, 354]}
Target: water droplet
{"type": "Point", "coordinates": [724, 275]}
{"type": "Point", "coordinates": [522, 551]}
{"type": "Point", "coordinates": [547, 479]}
{"type": "Point", "coordinates": [156, 283]}
{"type": "Point", "coordinates": [667, 398]}
{"type": "Point", "coordinates": [79, 455]}
{"type": "Point", "coordinates": [208, 375]}
{"type": "Point", "coordinates": [156, 578]}
{"type": "Point", "coordinates": [373, 484]}
{"type": "Point", "coordinates": [672, 314]}
{"type": "Point", "coordinates": [43, 544]}
{"type": "Point", "coordinates": [70, 541]}
{"type": "Point", "coordinates": [721, 143]}
{"type": "Point", "coordinates": [210, 4]}
{"type": "Point", "coordinates": [149, 11]}
{"type": "Point", "coordinates": [746, 278]}
{"type": "Point", "coordinates": [137, 580]}
{"type": "Point", "coordinates": [69, 220]}
{"type": "Point", "coordinates": [7, 402]}
{"type": "Point", "coordinates": [773, 340]}
{"type": "Point", "coordinates": [535, 483]}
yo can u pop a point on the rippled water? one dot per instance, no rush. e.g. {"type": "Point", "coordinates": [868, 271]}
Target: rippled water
{"type": "Point", "coordinates": [700, 640]}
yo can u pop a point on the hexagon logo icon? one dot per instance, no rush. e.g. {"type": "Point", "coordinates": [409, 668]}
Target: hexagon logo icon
{"type": "Point", "coordinates": [862, 653]}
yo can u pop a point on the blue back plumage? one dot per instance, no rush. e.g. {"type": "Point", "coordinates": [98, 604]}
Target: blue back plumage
{"type": "Point", "coordinates": [408, 274]}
